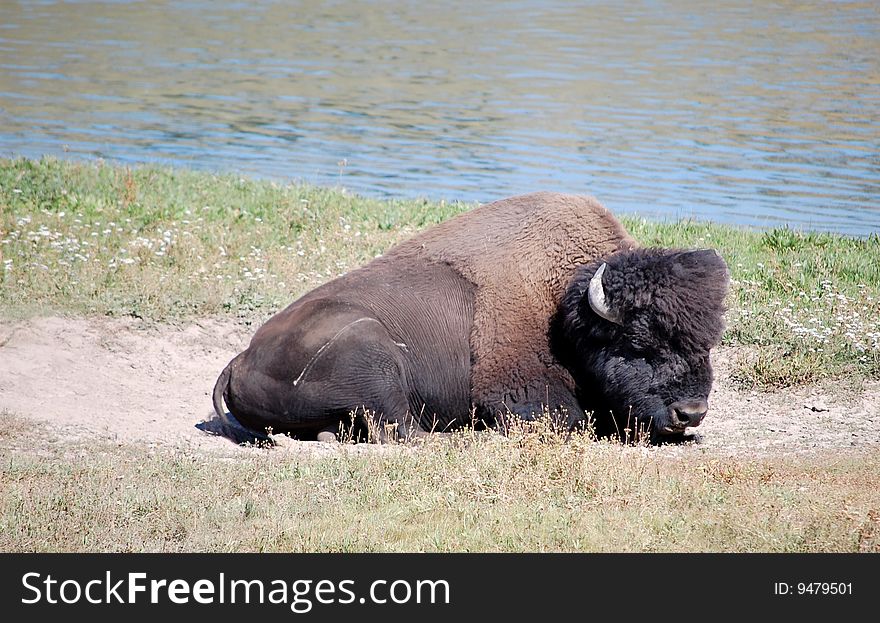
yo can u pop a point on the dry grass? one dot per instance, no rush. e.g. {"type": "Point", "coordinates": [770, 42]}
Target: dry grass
{"type": "Point", "coordinates": [527, 492]}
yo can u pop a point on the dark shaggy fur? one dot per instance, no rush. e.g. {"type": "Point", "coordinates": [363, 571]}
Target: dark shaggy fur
{"type": "Point", "coordinates": [671, 305]}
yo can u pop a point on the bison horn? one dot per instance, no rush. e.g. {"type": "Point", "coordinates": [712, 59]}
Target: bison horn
{"type": "Point", "coordinates": [596, 297]}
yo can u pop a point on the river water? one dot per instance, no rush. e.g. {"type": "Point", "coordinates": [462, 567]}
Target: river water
{"type": "Point", "coordinates": [755, 113]}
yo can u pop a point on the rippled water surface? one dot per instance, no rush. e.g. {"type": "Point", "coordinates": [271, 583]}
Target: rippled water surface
{"type": "Point", "coordinates": [758, 113]}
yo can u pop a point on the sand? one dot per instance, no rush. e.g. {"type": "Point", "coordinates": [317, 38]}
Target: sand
{"type": "Point", "coordinates": [132, 381]}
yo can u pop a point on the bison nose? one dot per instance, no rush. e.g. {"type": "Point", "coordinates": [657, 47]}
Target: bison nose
{"type": "Point", "coordinates": [688, 412]}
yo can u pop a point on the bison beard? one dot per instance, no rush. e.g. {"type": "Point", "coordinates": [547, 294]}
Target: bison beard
{"type": "Point", "coordinates": [527, 305]}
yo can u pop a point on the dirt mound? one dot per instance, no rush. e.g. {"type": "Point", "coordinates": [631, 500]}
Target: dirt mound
{"type": "Point", "coordinates": [132, 381]}
{"type": "Point", "coordinates": [120, 380]}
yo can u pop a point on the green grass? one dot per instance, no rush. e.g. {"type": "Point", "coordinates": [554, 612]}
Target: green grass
{"type": "Point", "coordinates": [808, 303]}
{"type": "Point", "coordinates": [167, 244]}
{"type": "Point", "coordinates": [170, 245]}
{"type": "Point", "coordinates": [530, 491]}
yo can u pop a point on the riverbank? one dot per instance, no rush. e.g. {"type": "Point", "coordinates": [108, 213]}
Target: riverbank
{"type": "Point", "coordinates": [169, 246]}
{"type": "Point", "coordinates": [125, 291]}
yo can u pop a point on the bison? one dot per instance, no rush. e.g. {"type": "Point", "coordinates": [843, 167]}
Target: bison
{"type": "Point", "coordinates": [535, 304]}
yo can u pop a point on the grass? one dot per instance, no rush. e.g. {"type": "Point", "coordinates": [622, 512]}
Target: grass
{"type": "Point", "coordinates": [173, 246]}
{"type": "Point", "coordinates": [170, 245]}
{"type": "Point", "coordinates": [528, 492]}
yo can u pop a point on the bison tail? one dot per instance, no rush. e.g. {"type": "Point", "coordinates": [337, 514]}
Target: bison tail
{"type": "Point", "coordinates": [220, 388]}
{"type": "Point", "coordinates": [229, 426]}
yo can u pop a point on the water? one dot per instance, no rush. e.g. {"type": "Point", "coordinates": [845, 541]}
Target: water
{"type": "Point", "coordinates": [762, 114]}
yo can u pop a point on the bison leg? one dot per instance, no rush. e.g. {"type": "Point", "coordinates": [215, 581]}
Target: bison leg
{"type": "Point", "coordinates": [529, 404]}
{"type": "Point", "coordinates": [361, 369]}
{"type": "Point", "coordinates": [352, 363]}
{"type": "Point", "coordinates": [390, 419]}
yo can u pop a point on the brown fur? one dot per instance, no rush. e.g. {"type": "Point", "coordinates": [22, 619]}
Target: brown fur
{"type": "Point", "coordinates": [520, 253]}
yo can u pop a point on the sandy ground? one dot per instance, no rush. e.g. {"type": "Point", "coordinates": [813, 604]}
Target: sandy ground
{"type": "Point", "coordinates": [130, 381]}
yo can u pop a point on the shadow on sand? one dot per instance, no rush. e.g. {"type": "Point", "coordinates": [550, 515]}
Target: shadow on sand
{"type": "Point", "coordinates": [227, 426]}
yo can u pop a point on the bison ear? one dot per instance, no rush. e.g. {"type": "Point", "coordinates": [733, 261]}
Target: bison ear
{"type": "Point", "coordinates": [596, 298]}
{"type": "Point", "coordinates": [707, 255]}
{"type": "Point", "coordinates": [704, 259]}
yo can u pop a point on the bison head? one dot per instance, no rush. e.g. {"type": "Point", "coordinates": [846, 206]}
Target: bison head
{"type": "Point", "coordinates": [636, 329]}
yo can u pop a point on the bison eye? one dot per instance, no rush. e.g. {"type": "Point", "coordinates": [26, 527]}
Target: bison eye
{"type": "Point", "coordinates": [639, 347]}
{"type": "Point", "coordinates": [633, 353]}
